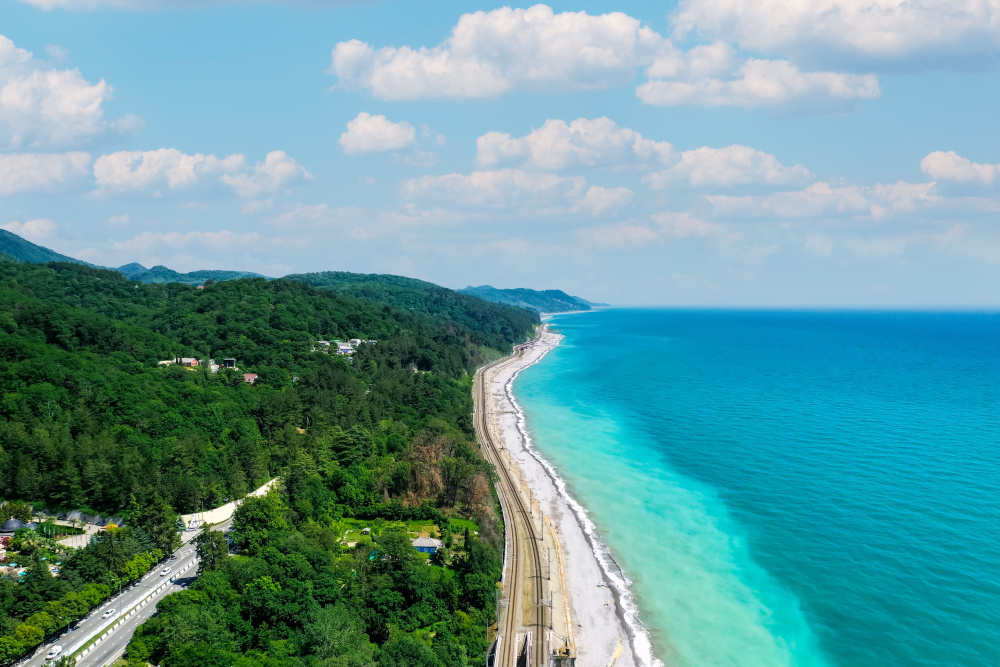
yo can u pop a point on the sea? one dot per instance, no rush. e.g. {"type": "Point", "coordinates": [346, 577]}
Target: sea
{"type": "Point", "coordinates": [805, 488]}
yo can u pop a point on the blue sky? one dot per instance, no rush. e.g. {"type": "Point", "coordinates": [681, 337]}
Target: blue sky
{"type": "Point", "coordinates": [711, 152]}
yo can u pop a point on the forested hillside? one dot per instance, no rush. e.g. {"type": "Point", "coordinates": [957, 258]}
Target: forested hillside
{"type": "Point", "coordinates": [90, 420]}
{"type": "Point", "coordinates": [21, 250]}
{"type": "Point", "coordinates": [542, 301]}
{"type": "Point", "coordinates": [491, 324]}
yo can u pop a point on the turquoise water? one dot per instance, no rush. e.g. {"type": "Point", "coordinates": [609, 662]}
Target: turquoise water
{"type": "Point", "coordinates": [787, 488]}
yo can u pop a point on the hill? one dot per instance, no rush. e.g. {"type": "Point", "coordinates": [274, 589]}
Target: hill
{"type": "Point", "coordinates": [90, 420]}
{"type": "Point", "coordinates": [26, 251]}
{"type": "Point", "coordinates": [162, 275]}
{"type": "Point", "coordinates": [541, 301]}
{"type": "Point", "coordinates": [494, 325]}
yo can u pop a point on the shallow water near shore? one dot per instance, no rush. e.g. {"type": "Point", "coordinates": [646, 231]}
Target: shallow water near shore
{"type": "Point", "coordinates": [787, 488]}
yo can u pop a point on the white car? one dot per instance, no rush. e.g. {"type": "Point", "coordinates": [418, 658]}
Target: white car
{"type": "Point", "coordinates": [109, 613]}
{"type": "Point", "coordinates": [165, 571]}
{"type": "Point", "coordinates": [54, 653]}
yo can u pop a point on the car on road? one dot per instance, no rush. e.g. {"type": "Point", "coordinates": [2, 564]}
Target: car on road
{"type": "Point", "coordinates": [109, 613]}
{"type": "Point", "coordinates": [165, 571]}
{"type": "Point", "coordinates": [54, 653]}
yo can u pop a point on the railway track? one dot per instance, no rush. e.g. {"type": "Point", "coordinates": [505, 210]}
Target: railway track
{"type": "Point", "coordinates": [520, 626]}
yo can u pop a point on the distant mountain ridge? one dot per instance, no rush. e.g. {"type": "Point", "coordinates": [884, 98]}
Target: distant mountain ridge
{"type": "Point", "coordinates": [160, 274]}
{"type": "Point", "coordinates": [542, 301]}
{"type": "Point", "coordinates": [459, 306]}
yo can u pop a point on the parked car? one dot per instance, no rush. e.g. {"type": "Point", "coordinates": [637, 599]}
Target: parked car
{"type": "Point", "coordinates": [54, 653]}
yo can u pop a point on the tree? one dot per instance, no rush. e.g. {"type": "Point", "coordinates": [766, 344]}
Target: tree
{"type": "Point", "coordinates": [337, 632]}
{"type": "Point", "coordinates": [406, 651]}
{"type": "Point", "coordinates": [157, 519]}
{"type": "Point", "coordinates": [212, 550]}
{"type": "Point", "coordinates": [255, 519]}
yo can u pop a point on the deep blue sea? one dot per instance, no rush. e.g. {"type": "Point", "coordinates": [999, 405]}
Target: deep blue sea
{"type": "Point", "coordinates": [787, 488]}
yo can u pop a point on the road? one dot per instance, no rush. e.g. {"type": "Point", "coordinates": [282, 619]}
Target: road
{"type": "Point", "coordinates": [523, 604]}
{"type": "Point", "coordinates": [94, 624]}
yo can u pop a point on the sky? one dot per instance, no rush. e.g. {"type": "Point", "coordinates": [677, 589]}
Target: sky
{"type": "Point", "coordinates": [700, 153]}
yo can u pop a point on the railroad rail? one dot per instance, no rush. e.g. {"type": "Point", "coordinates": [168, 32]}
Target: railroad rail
{"type": "Point", "coordinates": [522, 635]}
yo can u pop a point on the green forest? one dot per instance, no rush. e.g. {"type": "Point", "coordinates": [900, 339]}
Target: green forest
{"type": "Point", "coordinates": [89, 420]}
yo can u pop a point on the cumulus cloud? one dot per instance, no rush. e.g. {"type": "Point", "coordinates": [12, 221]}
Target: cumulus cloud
{"type": "Point", "coordinates": [45, 107]}
{"type": "Point", "coordinates": [489, 53]}
{"type": "Point", "coordinates": [733, 165]}
{"type": "Point", "coordinates": [502, 188]}
{"type": "Point", "coordinates": [376, 134]}
{"type": "Point", "coordinates": [137, 170]}
{"type": "Point", "coordinates": [763, 83]}
{"type": "Point", "coordinates": [821, 199]}
{"type": "Point", "coordinates": [33, 230]}
{"type": "Point", "coordinates": [171, 169]}
{"type": "Point", "coordinates": [664, 226]}
{"type": "Point", "coordinates": [950, 166]}
{"type": "Point", "coordinates": [582, 142]}
{"type": "Point", "coordinates": [537, 49]}
{"type": "Point", "coordinates": [929, 31]}
{"type": "Point", "coordinates": [40, 171]}
{"type": "Point", "coordinates": [599, 201]}
{"type": "Point", "coordinates": [684, 225]}
{"type": "Point", "coordinates": [602, 142]}
{"type": "Point", "coordinates": [276, 172]}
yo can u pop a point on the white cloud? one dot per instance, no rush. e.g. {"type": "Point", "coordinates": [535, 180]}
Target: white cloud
{"type": "Point", "coordinates": [666, 225]}
{"type": "Point", "coordinates": [124, 219]}
{"type": "Point", "coordinates": [729, 166]}
{"type": "Point", "coordinates": [852, 30]}
{"type": "Point", "coordinates": [224, 241]}
{"type": "Point", "coordinates": [46, 107]}
{"type": "Point", "coordinates": [33, 230]}
{"type": "Point", "coordinates": [599, 201]}
{"type": "Point", "coordinates": [503, 188]}
{"type": "Point", "coordinates": [276, 172]}
{"type": "Point", "coordinates": [684, 225]}
{"type": "Point", "coordinates": [821, 199]}
{"type": "Point", "coordinates": [582, 142]}
{"type": "Point", "coordinates": [40, 171]}
{"type": "Point", "coordinates": [376, 134]}
{"type": "Point", "coordinates": [137, 170]}
{"type": "Point", "coordinates": [760, 83]}
{"type": "Point", "coordinates": [536, 49]}
{"type": "Point", "coordinates": [489, 53]}
{"type": "Point", "coordinates": [950, 166]}
{"type": "Point", "coordinates": [619, 236]}
{"type": "Point", "coordinates": [172, 169]}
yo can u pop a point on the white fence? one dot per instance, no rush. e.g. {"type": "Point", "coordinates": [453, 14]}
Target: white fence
{"type": "Point", "coordinates": [133, 611]}
{"type": "Point", "coordinates": [223, 513]}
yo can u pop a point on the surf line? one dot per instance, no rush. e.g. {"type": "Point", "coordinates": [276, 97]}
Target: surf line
{"type": "Point", "coordinates": [638, 635]}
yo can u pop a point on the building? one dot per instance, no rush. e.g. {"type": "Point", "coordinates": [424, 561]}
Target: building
{"type": "Point", "coordinates": [426, 545]}
{"type": "Point", "coordinates": [344, 348]}
{"type": "Point", "coordinates": [229, 364]}
{"type": "Point", "coordinates": [189, 362]}
{"type": "Point", "coordinates": [355, 342]}
{"type": "Point", "coordinates": [250, 377]}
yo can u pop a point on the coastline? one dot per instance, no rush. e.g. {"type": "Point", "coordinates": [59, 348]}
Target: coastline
{"type": "Point", "coordinates": [604, 617]}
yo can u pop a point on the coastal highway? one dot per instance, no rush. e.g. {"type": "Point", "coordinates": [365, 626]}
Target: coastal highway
{"type": "Point", "coordinates": [523, 602]}
{"type": "Point", "coordinates": [94, 624]}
